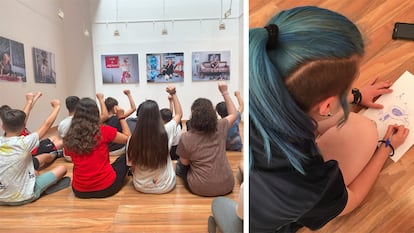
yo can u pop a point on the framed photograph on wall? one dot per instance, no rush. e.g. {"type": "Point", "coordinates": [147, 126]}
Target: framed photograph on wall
{"type": "Point", "coordinates": [210, 65]}
{"type": "Point", "coordinates": [44, 66]}
{"type": "Point", "coordinates": [120, 68]}
{"type": "Point", "coordinates": [12, 63]}
{"type": "Point", "coordinates": [165, 67]}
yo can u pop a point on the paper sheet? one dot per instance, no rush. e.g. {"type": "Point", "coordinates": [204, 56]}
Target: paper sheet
{"type": "Point", "coordinates": [398, 109]}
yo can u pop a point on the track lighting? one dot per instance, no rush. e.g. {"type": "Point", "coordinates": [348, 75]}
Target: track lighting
{"type": "Point", "coordinates": [222, 26]}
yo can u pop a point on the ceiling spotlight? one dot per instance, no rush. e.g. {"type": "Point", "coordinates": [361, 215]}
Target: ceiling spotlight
{"type": "Point", "coordinates": [86, 32]}
{"type": "Point", "coordinates": [227, 13]}
{"type": "Point", "coordinates": [164, 31]}
{"type": "Point", "coordinates": [116, 33]}
{"type": "Point", "coordinates": [222, 26]}
{"type": "Point", "coordinates": [60, 13]}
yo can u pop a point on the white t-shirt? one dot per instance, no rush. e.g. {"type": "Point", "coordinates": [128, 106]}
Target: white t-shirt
{"type": "Point", "coordinates": [17, 175]}
{"type": "Point", "coordinates": [159, 180]}
{"type": "Point", "coordinates": [64, 126]}
{"type": "Point", "coordinates": [173, 132]}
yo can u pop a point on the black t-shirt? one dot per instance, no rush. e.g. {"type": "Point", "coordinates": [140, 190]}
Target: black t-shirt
{"type": "Point", "coordinates": [114, 122]}
{"type": "Point", "coordinates": [281, 199]}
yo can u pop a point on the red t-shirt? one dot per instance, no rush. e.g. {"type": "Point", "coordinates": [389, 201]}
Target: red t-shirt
{"type": "Point", "coordinates": [93, 171]}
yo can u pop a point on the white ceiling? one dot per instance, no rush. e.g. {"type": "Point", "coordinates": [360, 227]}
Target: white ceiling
{"type": "Point", "coordinates": [150, 10]}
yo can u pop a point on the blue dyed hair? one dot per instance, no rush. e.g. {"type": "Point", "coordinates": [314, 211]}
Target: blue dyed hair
{"type": "Point", "coordinates": [316, 56]}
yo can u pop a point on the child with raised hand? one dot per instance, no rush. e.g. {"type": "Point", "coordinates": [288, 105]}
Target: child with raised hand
{"type": "Point", "coordinates": [148, 147]}
{"type": "Point", "coordinates": [112, 106]}
{"type": "Point", "coordinates": [167, 117]}
{"type": "Point", "coordinates": [47, 147]}
{"type": "Point", "coordinates": [233, 141]}
{"type": "Point", "coordinates": [104, 115]}
{"type": "Point", "coordinates": [203, 163]}
{"type": "Point", "coordinates": [31, 100]}
{"type": "Point", "coordinates": [19, 183]}
{"type": "Point", "coordinates": [86, 143]}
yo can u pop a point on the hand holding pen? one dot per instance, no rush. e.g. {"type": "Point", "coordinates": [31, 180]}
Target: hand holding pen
{"type": "Point", "coordinates": [395, 136]}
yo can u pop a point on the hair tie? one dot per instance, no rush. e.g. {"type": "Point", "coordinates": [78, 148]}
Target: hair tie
{"type": "Point", "coordinates": [273, 31]}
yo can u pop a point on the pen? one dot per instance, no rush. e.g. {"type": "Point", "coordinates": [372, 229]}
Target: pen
{"type": "Point", "coordinates": [388, 141]}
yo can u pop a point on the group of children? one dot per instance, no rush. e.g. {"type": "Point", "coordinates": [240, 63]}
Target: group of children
{"type": "Point", "coordinates": [146, 147]}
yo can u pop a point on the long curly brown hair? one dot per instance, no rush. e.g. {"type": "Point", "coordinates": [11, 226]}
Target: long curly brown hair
{"type": "Point", "coordinates": [203, 116]}
{"type": "Point", "coordinates": [83, 133]}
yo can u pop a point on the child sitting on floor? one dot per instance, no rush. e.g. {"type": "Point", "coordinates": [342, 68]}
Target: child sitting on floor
{"type": "Point", "coordinates": [233, 141]}
{"type": "Point", "coordinates": [148, 148]}
{"type": "Point", "coordinates": [203, 163]}
{"type": "Point", "coordinates": [19, 183]}
{"type": "Point", "coordinates": [86, 143]}
{"type": "Point", "coordinates": [111, 105]}
{"type": "Point", "coordinates": [167, 117]}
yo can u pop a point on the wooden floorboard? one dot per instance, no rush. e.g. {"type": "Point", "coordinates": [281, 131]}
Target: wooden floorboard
{"type": "Point", "coordinates": [389, 207]}
{"type": "Point", "coordinates": [127, 211]}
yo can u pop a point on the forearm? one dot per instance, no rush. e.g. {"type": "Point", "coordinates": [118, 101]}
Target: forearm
{"type": "Point", "coordinates": [171, 105]}
{"type": "Point", "coordinates": [177, 106]}
{"type": "Point", "coordinates": [240, 102]}
{"type": "Point", "coordinates": [125, 128]}
{"type": "Point", "coordinates": [104, 112]}
{"type": "Point", "coordinates": [132, 105]}
{"type": "Point", "coordinates": [362, 184]}
{"type": "Point", "coordinates": [231, 109]}
{"type": "Point", "coordinates": [27, 108]}
{"type": "Point", "coordinates": [48, 122]}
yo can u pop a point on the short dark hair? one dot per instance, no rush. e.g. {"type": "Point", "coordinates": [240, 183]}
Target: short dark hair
{"type": "Point", "coordinates": [110, 103]}
{"type": "Point", "coordinates": [4, 108]}
{"type": "Point", "coordinates": [166, 115]}
{"type": "Point", "coordinates": [13, 120]}
{"type": "Point", "coordinates": [222, 109]}
{"type": "Point", "coordinates": [71, 102]}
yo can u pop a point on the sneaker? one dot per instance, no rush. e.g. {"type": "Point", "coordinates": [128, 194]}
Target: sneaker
{"type": "Point", "coordinates": [58, 153]}
{"type": "Point", "coordinates": [61, 184]}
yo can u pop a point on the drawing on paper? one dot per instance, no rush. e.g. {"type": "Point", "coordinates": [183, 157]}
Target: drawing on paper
{"type": "Point", "coordinates": [396, 113]}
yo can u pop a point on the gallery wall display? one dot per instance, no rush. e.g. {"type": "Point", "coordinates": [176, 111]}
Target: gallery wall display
{"type": "Point", "coordinates": [211, 65]}
{"type": "Point", "coordinates": [44, 66]}
{"type": "Point", "coordinates": [12, 63]}
{"type": "Point", "coordinates": [165, 67]}
{"type": "Point", "coordinates": [120, 68]}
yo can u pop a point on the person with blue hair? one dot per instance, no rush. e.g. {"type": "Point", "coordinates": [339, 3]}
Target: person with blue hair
{"type": "Point", "coordinates": [310, 158]}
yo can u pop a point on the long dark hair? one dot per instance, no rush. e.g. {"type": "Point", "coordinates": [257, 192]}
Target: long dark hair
{"type": "Point", "coordinates": [148, 145]}
{"type": "Point", "coordinates": [203, 116]}
{"type": "Point", "coordinates": [84, 131]}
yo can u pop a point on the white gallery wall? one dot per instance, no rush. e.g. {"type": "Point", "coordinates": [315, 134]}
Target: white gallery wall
{"type": "Point", "coordinates": [193, 26]}
{"type": "Point", "coordinates": [77, 57]}
{"type": "Point", "coordinates": [35, 24]}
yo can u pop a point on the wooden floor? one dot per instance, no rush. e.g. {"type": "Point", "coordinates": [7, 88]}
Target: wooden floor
{"type": "Point", "coordinates": [389, 207]}
{"type": "Point", "coordinates": [127, 211]}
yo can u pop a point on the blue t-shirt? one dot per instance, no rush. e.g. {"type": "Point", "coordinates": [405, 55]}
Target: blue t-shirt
{"type": "Point", "coordinates": [234, 141]}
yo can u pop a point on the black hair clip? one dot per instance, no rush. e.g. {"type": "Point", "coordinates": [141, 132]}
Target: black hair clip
{"type": "Point", "coordinates": [273, 31]}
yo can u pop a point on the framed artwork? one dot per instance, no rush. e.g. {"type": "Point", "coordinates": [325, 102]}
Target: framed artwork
{"type": "Point", "coordinates": [210, 65]}
{"type": "Point", "coordinates": [120, 68]}
{"type": "Point", "coordinates": [44, 66]}
{"type": "Point", "coordinates": [165, 67]}
{"type": "Point", "coordinates": [12, 63]}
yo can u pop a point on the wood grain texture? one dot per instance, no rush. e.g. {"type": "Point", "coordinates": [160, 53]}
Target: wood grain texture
{"type": "Point", "coordinates": [389, 207]}
{"type": "Point", "coordinates": [127, 211]}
